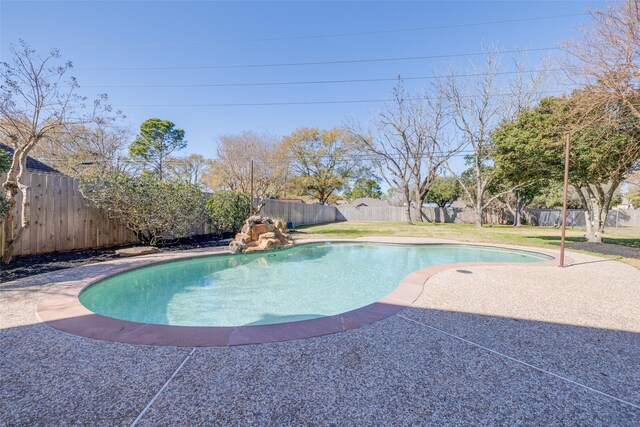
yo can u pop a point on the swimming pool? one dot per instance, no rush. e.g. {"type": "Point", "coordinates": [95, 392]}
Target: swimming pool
{"type": "Point", "coordinates": [304, 282]}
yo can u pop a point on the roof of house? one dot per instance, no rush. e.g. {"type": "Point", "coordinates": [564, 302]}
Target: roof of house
{"type": "Point", "coordinates": [368, 201]}
{"type": "Point", "coordinates": [33, 165]}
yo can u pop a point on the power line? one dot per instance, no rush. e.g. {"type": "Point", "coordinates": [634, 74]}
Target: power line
{"type": "Point", "coordinates": [307, 82]}
{"type": "Point", "coordinates": [291, 64]}
{"type": "Point", "coordinates": [338, 35]}
{"type": "Point", "coordinates": [273, 104]}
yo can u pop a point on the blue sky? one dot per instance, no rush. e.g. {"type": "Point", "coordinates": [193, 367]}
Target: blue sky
{"type": "Point", "coordinates": [96, 36]}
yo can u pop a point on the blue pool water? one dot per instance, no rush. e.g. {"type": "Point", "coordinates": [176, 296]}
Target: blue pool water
{"type": "Point", "coordinates": [303, 282]}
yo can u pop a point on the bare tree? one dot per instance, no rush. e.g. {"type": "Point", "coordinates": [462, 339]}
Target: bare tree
{"type": "Point", "coordinates": [86, 149]}
{"type": "Point", "coordinates": [432, 147]}
{"type": "Point", "coordinates": [607, 58]}
{"type": "Point", "coordinates": [232, 167]}
{"type": "Point", "coordinates": [475, 110]}
{"type": "Point", "coordinates": [390, 147]}
{"type": "Point", "coordinates": [408, 144]}
{"type": "Point", "coordinates": [477, 107]}
{"type": "Point", "coordinates": [189, 169]}
{"type": "Point", "coordinates": [36, 103]}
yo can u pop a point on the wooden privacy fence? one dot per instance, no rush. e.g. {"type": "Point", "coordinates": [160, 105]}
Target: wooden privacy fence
{"type": "Point", "coordinates": [299, 213]}
{"type": "Point", "coordinates": [63, 220]}
{"type": "Point", "coordinates": [371, 213]}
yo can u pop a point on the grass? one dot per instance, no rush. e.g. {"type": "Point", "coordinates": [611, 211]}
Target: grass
{"type": "Point", "coordinates": [547, 237]}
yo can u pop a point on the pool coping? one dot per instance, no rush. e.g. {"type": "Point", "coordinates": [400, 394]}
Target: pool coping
{"type": "Point", "coordinates": [61, 308]}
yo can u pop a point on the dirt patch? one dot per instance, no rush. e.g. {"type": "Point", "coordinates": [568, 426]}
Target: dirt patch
{"type": "Point", "coordinates": [605, 249]}
{"type": "Point", "coordinates": [30, 265]}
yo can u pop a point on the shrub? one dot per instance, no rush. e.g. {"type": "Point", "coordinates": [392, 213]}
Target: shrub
{"type": "Point", "coordinates": [155, 210]}
{"type": "Point", "coordinates": [227, 210]}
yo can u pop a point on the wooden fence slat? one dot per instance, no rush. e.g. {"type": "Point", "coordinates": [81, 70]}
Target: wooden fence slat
{"type": "Point", "coordinates": [70, 217]}
{"type": "Point", "coordinates": [49, 245]}
{"type": "Point", "coordinates": [78, 223]}
{"type": "Point", "coordinates": [57, 201]}
{"type": "Point", "coordinates": [41, 212]}
{"type": "Point", "coordinates": [65, 239]}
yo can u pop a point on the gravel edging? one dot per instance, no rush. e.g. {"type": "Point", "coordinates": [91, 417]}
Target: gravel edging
{"type": "Point", "coordinates": [30, 265]}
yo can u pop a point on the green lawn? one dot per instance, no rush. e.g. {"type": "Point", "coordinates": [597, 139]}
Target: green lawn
{"type": "Point", "coordinates": [523, 236]}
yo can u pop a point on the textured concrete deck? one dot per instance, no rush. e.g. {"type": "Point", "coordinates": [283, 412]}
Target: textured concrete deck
{"type": "Point", "coordinates": [487, 345]}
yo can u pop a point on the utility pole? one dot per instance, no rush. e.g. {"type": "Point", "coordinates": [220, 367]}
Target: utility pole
{"type": "Point", "coordinates": [564, 197]}
{"type": "Point", "coordinates": [251, 201]}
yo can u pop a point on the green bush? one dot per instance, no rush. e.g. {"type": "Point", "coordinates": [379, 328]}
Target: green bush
{"type": "Point", "coordinates": [155, 210]}
{"type": "Point", "coordinates": [227, 210]}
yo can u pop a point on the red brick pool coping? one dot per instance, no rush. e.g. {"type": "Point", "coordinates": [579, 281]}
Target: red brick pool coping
{"type": "Point", "coordinates": [61, 309]}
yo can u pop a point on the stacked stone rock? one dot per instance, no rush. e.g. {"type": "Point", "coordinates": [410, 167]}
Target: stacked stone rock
{"type": "Point", "coordinates": [260, 233]}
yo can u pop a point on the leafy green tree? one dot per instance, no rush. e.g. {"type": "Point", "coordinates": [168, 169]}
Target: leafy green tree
{"type": "Point", "coordinates": [155, 143]}
{"type": "Point", "coordinates": [227, 210]}
{"type": "Point", "coordinates": [549, 196]}
{"type": "Point", "coordinates": [324, 161]}
{"type": "Point", "coordinates": [364, 187]}
{"type": "Point", "coordinates": [155, 210]}
{"type": "Point", "coordinates": [444, 191]}
{"type": "Point", "coordinates": [605, 148]}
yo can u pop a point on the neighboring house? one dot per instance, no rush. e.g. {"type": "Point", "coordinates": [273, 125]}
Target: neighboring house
{"type": "Point", "coordinates": [369, 202]}
{"type": "Point", "coordinates": [33, 165]}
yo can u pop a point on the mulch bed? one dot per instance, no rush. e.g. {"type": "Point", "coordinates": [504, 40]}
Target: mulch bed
{"type": "Point", "coordinates": [605, 249]}
{"type": "Point", "coordinates": [30, 265]}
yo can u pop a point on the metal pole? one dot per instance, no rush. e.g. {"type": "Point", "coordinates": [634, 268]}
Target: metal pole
{"type": "Point", "coordinates": [564, 198]}
{"type": "Point", "coordinates": [251, 202]}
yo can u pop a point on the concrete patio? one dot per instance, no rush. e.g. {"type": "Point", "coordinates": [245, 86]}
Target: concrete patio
{"type": "Point", "coordinates": [483, 345]}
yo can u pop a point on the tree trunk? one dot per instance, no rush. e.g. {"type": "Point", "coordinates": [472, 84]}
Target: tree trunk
{"type": "Point", "coordinates": [478, 213]}
{"type": "Point", "coordinates": [443, 213]}
{"type": "Point", "coordinates": [11, 187]}
{"type": "Point", "coordinates": [407, 198]}
{"type": "Point", "coordinates": [517, 221]}
{"type": "Point", "coordinates": [479, 194]}
{"type": "Point", "coordinates": [597, 215]}
{"type": "Point", "coordinates": [9, 219]}
{"type": "Point", "coordinates": [597, 201]}
{"type": "Point", "coordinates": [418, 207]}
{"type": "Point", "coordinates": [511, 210]}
